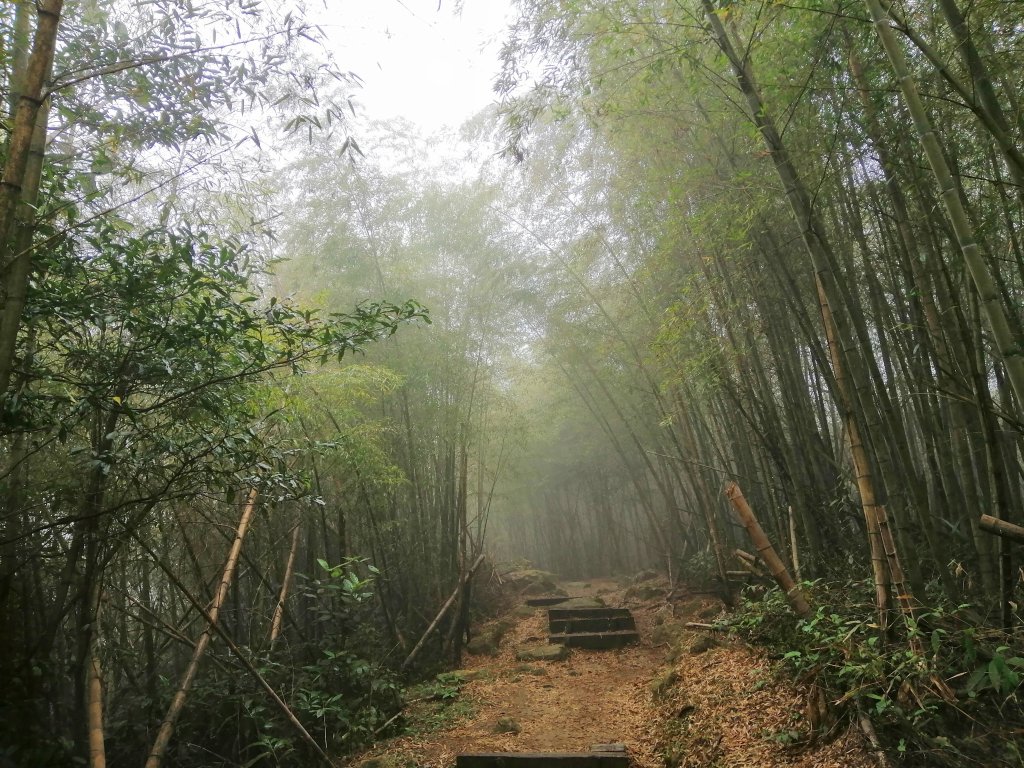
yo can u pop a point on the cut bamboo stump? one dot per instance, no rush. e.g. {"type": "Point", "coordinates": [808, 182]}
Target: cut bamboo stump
{"type": "Point", "coordinates": [1002, 528]}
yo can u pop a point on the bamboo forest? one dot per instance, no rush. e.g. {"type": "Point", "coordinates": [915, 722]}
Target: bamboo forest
{"type": "Point", "coordinates": [652, 396]}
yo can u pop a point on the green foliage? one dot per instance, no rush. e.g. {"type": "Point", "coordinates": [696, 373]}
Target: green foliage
{"type": "Point", "coordinates": [438, 703]}
{"type": "Point", "coordinates": [342, 699]}
{"type": "Point", "coordinates": [916, 686]}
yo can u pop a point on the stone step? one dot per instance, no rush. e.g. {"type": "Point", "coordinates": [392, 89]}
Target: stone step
{"type": "Point", "coordinates": [588, 624]}
{"type": "Point", "coordinates": [543, 760]}
{"type": "Point", "coordinates": [597, 641]}
{"type": "Point", "coordinates": [555, 614]}
{"type": "Point", "coordinates": [543, 601]}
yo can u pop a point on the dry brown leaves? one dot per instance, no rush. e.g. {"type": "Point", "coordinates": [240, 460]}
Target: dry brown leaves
{"type": "Point", "coordinates": [733, 711]}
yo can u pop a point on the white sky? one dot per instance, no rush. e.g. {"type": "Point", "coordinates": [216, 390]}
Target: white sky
{"type": "Point", "coordinates": [434, 67]}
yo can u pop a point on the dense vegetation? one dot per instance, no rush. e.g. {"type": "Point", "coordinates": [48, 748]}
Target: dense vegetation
{"type": "Point", "coordinates": [779, 245]}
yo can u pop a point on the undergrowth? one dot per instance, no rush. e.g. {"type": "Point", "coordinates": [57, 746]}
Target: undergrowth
{"type": "Point", "coordinates": [938, 691]}
{"type": "Point", "coordinates": [437, 704]}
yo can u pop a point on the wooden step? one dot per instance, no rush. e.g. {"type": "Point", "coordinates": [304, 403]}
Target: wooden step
{"type": "Point", "coordinates": [542, 601]}
{"type": "Point", "coordinates": [598, 624]}
{"type": "Point", "coordinates": [542, 760]}
{"type": "Point", "coordinates": [597, 641]}
{"type": "Point", "coordinates": [555, 614]}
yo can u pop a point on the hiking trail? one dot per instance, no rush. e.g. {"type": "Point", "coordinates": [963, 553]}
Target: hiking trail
{"type": "Point", "coordinates": [679, 697]}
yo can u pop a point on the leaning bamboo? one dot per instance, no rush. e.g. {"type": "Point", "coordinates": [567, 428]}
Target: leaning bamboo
{"type": "Point", "coordinates": [441, 614]}
{"type": "Point", "coordinates": [764, 547]}
{"type": "Point", "coordinates": [240, 656]}
{"type": "Point", "coordinates": [1002, 528]}
{"type": "Point", "coordinates": [163, 737]}
{"type": "Point", "coordinates": [276, 622]}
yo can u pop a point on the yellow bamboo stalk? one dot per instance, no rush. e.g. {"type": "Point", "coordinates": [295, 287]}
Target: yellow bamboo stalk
{"type": "Point", "coordinates": [275, 624]}
{"type": "Point", "coordinates": [163, 738]}
{"type": "Point", "coordinates": [764, 547]}
{"type": "Point", "coordinates": [97, 750]}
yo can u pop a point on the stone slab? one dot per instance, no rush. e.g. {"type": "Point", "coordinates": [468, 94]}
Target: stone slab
{"type": "Point", "coordinates": [597, 641]}
{"type": "Point", "coordinates": [587, 624]}
{"type": "Point", "coordinates": [543, 601]}
{"type": "Point", "coordinates": [562, 612]}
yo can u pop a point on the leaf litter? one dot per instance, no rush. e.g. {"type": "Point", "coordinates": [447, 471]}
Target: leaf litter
{"type": "Point", "coordinates": [722, 707]}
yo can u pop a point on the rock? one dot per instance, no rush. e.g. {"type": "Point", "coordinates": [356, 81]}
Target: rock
{"type": "Point", "coordinates": [582, 602]}
{"type": "Point", "coordinates": [545, 652]}
{"type": "Point", "coordinates": [499, 629]}
{"type": "Point", "coordinates": [531, 581]}
{"type": "Point", "coordinates": [523, 611]}
{"type": "Point", "coordinates": [506, 725]}
{"type": "Point", "coordinates": [645, 575]}
{"type": "Point", "coordinates": [645, 592]}
{"type": "Point", "coordinates": [529, 669]}
{"type": "Point", "coordinates": [482, 646]}
{"type": "Point", "coordinates": [703, 644]}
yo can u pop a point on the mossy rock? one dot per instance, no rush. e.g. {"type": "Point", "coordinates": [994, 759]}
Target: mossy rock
{"type": "Point", "coordinates": [546, 652]}
{"type": "Point", "coordinates": [646, 575]}
{"type": "Point", "coordinates": [581, 602]}
{"type": "Point", "coordinates": [482, 646]}
{"type": "Point", "coordinates": [645, 592]}
{"type": "Point", "coordinates": [703, 644]}
{"type": "Point", "coordinates": [506, 725]}
{"type": "Point", "coordinates": [532, 582]}
{"type": "Point", "coordinates": [529, 669]}
{"type": "Point", "coordinates": [524, 611]}
{"type": "Point", "coordinates": [499, 629]}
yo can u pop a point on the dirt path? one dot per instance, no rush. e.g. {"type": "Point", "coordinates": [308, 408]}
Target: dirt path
{"type": "Point", "coordinates": [719, 707]}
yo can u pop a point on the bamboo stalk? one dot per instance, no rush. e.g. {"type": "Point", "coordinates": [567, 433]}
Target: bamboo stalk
{"type": "Point", "coordinates": [163, 738]}
{"type": "Point", "coordinates": [1011, 353]}
{"type": "Point", "coordinates": [241, 657]}
{"type": "Point", "coordinates": [767, 552]}
{"type": "Point", "coordinates": [275, 624]}
{"type": "Point", "coordinates": [97, 750]}
{"type": "Point", "coordinates": [441, 614]}
{"type": "Point", "coordinates": [793, 548]}
{"type": "Point", "coordinates": [1002, 528]}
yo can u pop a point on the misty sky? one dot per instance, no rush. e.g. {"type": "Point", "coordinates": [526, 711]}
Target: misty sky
{"type": "Point", "coordinates": [433, 66]}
